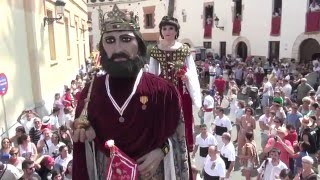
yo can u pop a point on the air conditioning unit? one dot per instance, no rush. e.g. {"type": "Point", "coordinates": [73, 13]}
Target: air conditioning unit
{"type": "Point", "coordinates": [93, 1]}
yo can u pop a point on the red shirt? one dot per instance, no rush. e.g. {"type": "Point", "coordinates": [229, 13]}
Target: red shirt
{"type": "Point", "coordinates": [220, 84]}
{"type": "Point", "coordinates": [284, 155]}
{"type": "Point", "coordinates": [292, 137]}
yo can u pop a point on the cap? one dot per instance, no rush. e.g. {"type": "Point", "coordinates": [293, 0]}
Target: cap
{"type": "Point", "coordinates": [48, 160]}
{"type": "Point", "coordinates": [45, 120]}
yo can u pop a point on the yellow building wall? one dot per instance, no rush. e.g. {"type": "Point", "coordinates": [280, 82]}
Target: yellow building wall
{"type": "Point", "coordinates": [14, 61]}
{"type": "Point", "coordinates": [25, 54]}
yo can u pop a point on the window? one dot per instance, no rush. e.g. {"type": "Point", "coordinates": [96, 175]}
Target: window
{"type": "Point", "coordinates": [52, 45]}
{"type": "Point", "coordinates": [238, 8]}
{"type": "Point", "coordinates": [77, 31]}
{"type": "Point", "coordinates": [277, 7]}
{"type": "Point", "coordinates": [208, 14]}
{"type": "Point", "coordinates": [223, 46]}
{"type": "Point", "coordinates": [149, 20]}
{"type": "Point", "coordinates": [148, 16]}
{"type": "Point", "coordinates": [66, 27]}
{"type": "Point", "coordinates": [207, 45]}
{"type": "Point", "coordinates": [313, 5]}
{"type": "Point", "coordinates": [274, 47]}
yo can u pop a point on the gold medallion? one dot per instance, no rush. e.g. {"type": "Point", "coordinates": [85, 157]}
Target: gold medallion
{"type": "Point", "coordinates": [144, 107]}
{"type": "Point", "coordinates": [121, 119]}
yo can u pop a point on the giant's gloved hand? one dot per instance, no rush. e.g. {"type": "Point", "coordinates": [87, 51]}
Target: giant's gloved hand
{"type": "Point", "coordinates": [149, 163]}
{"type": "Point", "coordinates": [83, 132]}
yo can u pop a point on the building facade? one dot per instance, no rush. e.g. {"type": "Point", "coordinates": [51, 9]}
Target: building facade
{"type": "Point", "coordinates": [38, 57]}
{"type": "Point", "coordinates": [281, 29]}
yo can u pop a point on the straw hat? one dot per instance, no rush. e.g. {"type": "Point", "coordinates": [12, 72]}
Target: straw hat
{"type": "Point", "coordinates": [306, 120]}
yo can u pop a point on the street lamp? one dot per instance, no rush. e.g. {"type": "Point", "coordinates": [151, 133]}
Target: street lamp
{"type": "Point", "coordinates": [59, 10]}
{"type": "Point", "coordinates": [216, 22]}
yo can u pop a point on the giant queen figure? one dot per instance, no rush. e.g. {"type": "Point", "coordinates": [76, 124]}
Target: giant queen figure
{"type": "Point", "coordinates": [173, 61]}
{"type": "Point", "coordinates": [140, 111]}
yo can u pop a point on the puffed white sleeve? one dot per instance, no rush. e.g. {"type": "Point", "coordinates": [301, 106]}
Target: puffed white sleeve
{"type": "Point", "coordinates": [192, 83]}
{"type": "Point", "coordinates": [154, 66]}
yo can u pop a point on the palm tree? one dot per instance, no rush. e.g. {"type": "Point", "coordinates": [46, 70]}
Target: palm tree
{"type": "Point", "coordinates": [171, 8]}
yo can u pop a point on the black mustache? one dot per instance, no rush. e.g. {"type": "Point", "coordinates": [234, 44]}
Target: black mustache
{"type": "Point", "coordinates": [119, 55]}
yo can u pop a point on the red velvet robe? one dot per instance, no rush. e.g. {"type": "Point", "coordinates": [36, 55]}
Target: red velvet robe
{"type": "Point", "coordinates": [142, 131]}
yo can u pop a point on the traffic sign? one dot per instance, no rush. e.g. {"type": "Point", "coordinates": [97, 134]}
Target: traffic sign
{"type": "Point", "coordinates": [3, 84]}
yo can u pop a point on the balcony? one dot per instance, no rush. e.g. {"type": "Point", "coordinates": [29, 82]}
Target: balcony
{"type": "Point", "coordinates": [275, 26]}
{"type": "Point", "coordinates": [312, 21]}
{"type": "Point", "coordinates": [236, 26]}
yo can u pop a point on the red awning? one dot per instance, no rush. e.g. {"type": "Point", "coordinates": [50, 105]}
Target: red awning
{"type": "Point", "coordinates": [275, 26]}
{"type": "Point", "coordinates": [236, 26]}
{"type": "Point", "coordinates": [313, 21]}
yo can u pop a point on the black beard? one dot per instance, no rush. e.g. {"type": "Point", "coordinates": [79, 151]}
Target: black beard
{"type": "Point", "coordinates": [123, 69]}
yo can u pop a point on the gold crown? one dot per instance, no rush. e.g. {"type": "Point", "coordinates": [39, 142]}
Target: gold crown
{"type": "Point", "coordinates": [117, 20]}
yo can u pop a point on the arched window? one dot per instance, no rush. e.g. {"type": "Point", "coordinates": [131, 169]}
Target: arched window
{"type": "Point", "coordinates": [277, 7]}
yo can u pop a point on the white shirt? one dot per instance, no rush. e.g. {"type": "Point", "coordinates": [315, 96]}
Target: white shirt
{"type": "Point", "coordinates": [219, 167]}
{"type": "Point", "coordinates": [271, 172]}
{"type": "Point", "coordinates": [55, 148]}
{"type": "Point", "coordinates": [67, 119]}
{"type": "Point", "coordinates": [11, 172]}
{"type": "Point", "coordinates": [63, 162]}
{"type": "Point", "coordinates": [54, 121]}
{"type": "Point", "coordinates": [209, 141]}
{"type": "Point", "coordinates": [263, 118]}
{"type": "Point", "coordinates": [228, 151]}
{"type": "Point", "coordinates": [223, 122]}
{"type": "Point", "coordinates": [208, 102]}
{"type": "Point", "coordinates": [27, 124]}
{"type": "Point", "coordinates": [287, 89]}
{"type": "Point", "coordinates": [268, 88]}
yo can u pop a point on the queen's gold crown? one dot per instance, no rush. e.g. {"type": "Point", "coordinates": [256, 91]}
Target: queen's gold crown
{"type": "Point", "coordinates": [117, 20]}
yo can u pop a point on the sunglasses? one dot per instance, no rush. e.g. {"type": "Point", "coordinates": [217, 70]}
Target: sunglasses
{"type": "Point", "coordinates": [276, 121]}
{"type": "Point", "coordinates": [16, 153]}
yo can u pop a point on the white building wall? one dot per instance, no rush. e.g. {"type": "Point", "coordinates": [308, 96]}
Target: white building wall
{"type": "Point", "coordinates": [255, 25]}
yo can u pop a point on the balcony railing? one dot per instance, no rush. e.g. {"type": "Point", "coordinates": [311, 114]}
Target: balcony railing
{"type": "Point", "coordinates": [313, 21]}
{"type": "Point", "coordinates": [275, 26]}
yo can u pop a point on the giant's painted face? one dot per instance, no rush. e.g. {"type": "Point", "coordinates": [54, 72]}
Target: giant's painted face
{"type": "Point", "coordinates": [120, 45]}
{"type": "Point", "coordinates": [169, 32]}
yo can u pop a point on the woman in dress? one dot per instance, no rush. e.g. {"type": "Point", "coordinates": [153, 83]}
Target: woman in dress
{"type": "Point", "coordinates": [173, 61]}
{"type": "Point", "coordinates": [249, 156]}
{"type": "Point", "coordinates": [5, 149]}
{"type": "Point", "coordinates": [247, 124]}
{"type": "Point", "coordinates": [19, 131]}
{"type": "Point", "coordinates": [26, 148]}
{"type": "Point", "coordinates": [68, 173]}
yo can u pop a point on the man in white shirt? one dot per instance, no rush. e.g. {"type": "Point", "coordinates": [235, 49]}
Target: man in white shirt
{"type": "Point", "coordinates": [267, 93]}
{"type": "Point", "coordinates": [26, 119]}
{"type": "Point", "coordinates": [208, 105]}
{"type": "Point", "coordinates": [54, 120]}
{"type": "Point", "coordinates": [212, 74]}
{"type": "Point", "coordinates": [264, 121]}
{"type": "Point", "coordinates": [222, 124]}
{"type": "Point", "coordinates": [203, 140]}
{"type": "Point", "coordinates": [214, 167]}
{"type": "Point", "coordinates": [287, 88]}
{"type": "Point", "coordinates": [228, 153]}
{"type": "Point", "coordinates": [271, 167]}
{"type": "Point", "coordinates": [8, 172]}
